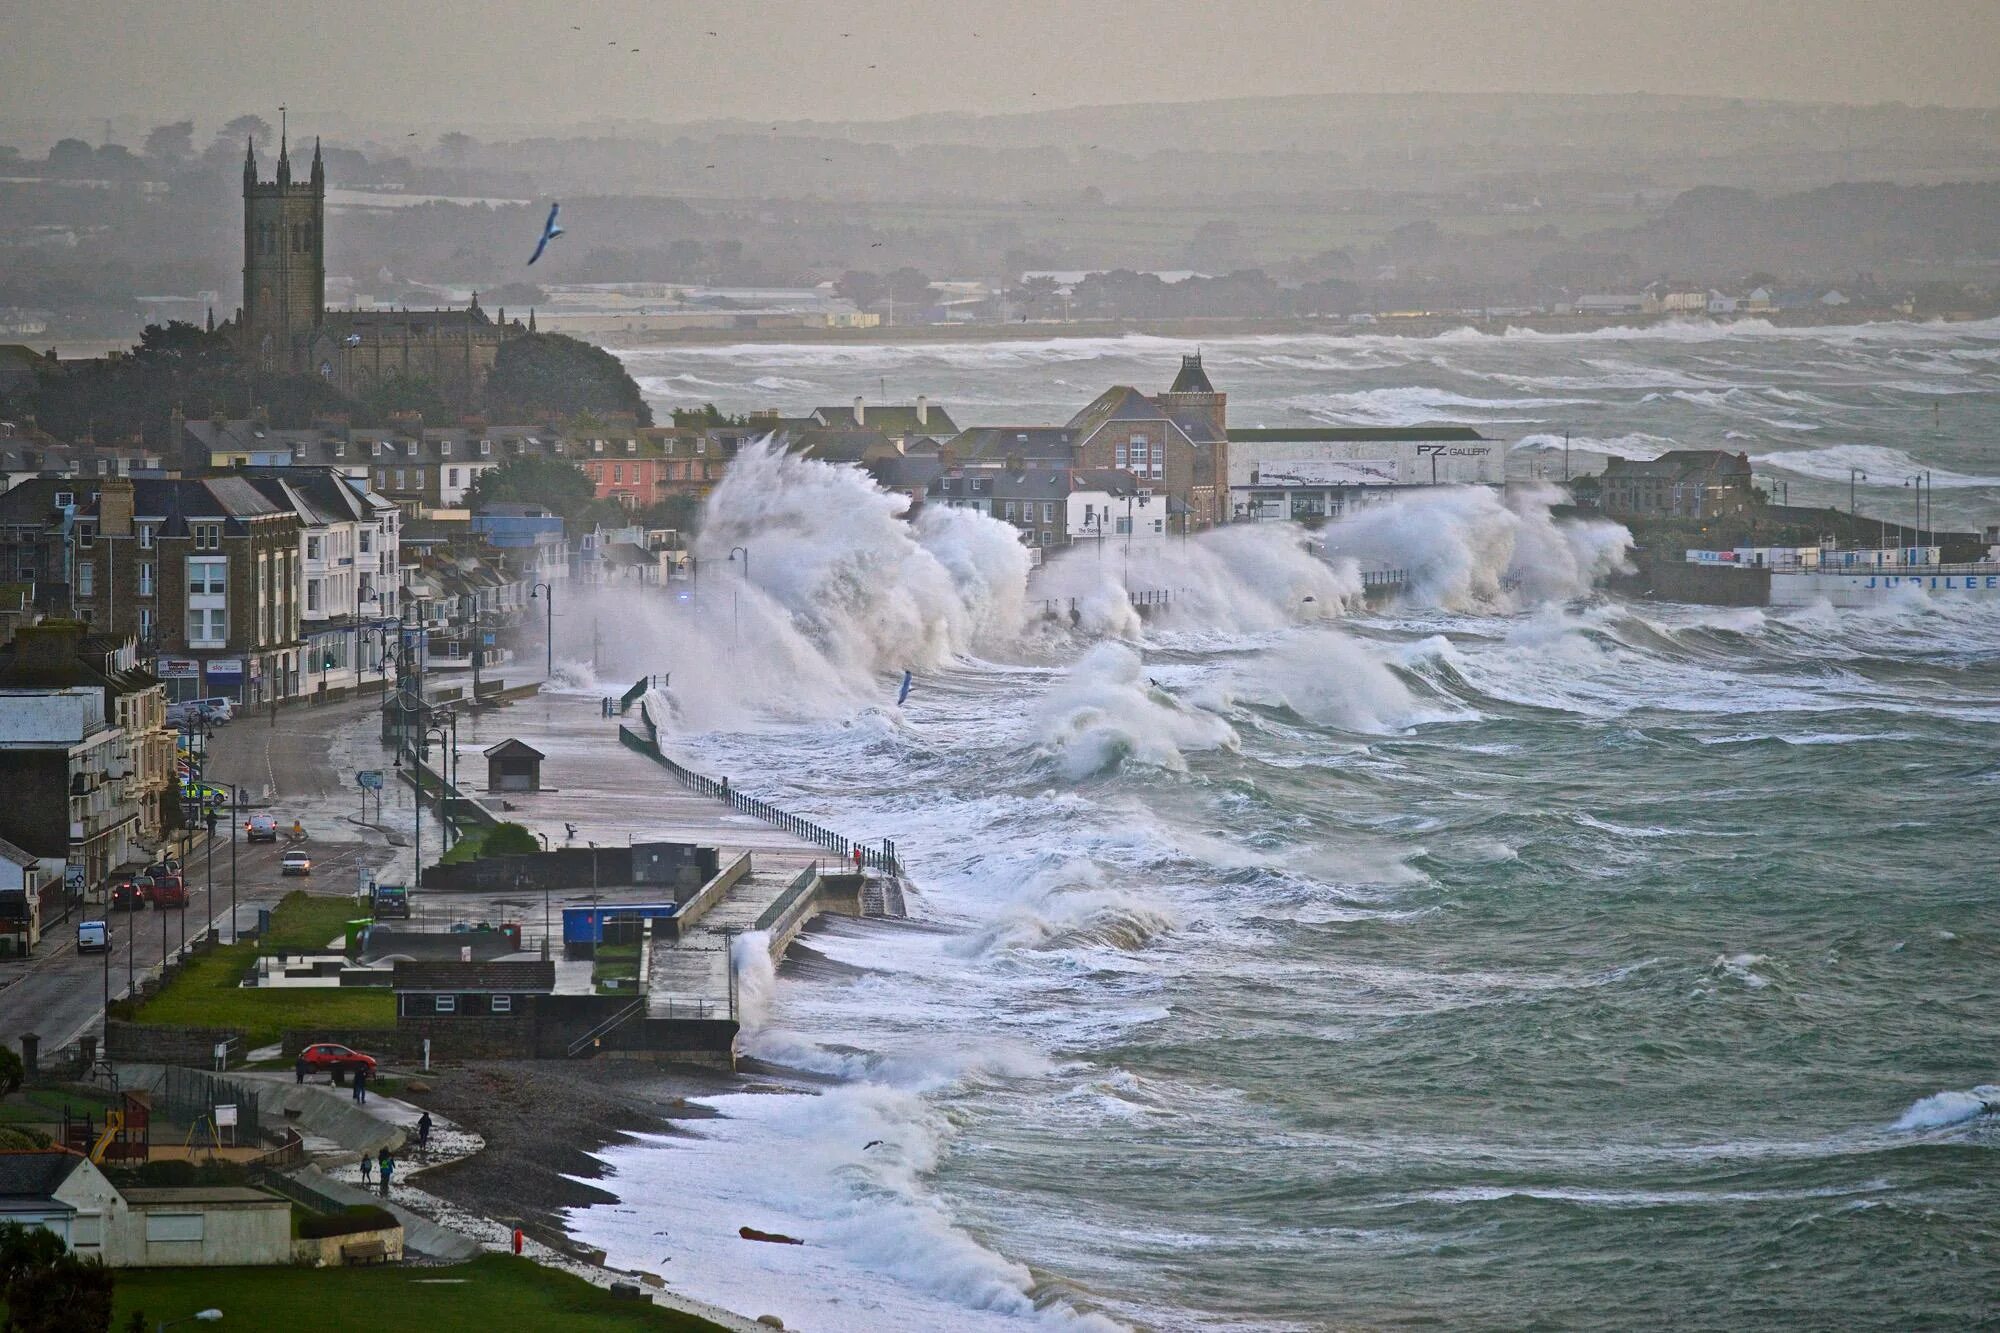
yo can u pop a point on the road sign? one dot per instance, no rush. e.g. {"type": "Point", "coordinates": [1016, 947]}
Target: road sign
{"type": "Point", "coordinates": [370, 778]}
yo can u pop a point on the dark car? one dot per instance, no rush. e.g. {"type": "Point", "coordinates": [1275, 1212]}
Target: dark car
{"type": "Point", "coordinates": [340, 1061]}
{"type": "Point", "coordinates": [131, 895]}
{"type": "Point", "coordinates": [261, 828]}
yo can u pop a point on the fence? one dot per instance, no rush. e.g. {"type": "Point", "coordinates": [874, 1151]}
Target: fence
{"type": "Point", "coordinates": [799, 827]}
{"type": "Point", "coordinates": [190, 1096]}
{"type": "Point", "coordinates": [1384, 578]}
{"type": "Point", "coordinates": [1143, 599]}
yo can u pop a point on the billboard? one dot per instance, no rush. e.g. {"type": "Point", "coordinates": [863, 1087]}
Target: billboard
{"type": "Point", "coordinates": [178, 668]}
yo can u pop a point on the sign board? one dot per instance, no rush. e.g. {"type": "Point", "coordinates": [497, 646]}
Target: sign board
{"type": "Point", "coordinates": [225, 1115]}
{"type": "Point", "coordinates": [178, 668]}
{"type": "Point", "coordinates": [1329, 472]}
{"type": "Point", "coordinates": [370, 778]}
{"type": "Point", "coordinates": [225, 668]}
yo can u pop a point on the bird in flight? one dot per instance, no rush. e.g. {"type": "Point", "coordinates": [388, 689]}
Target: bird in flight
{"type": "Point", "coordinates": [549, 232]}
{"type": "Point", "coordinates": [875, 245]}
{"type": "Point", "coordinates": [872, 1143]}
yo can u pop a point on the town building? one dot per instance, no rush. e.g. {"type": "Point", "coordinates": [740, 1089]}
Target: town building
{"type": "Point", "coordinates": [189, 1227]}
{"type": "Point", "coordinates": [1320, 472]}
{"type": "Point", "coordinates": [1109, 504]}
{"type": "Point", "coordinates": [31, 898]}
{"type": "Point", "coordinates": [67, 775]}
{"type": "Point", "coordinates": [204, 574]}
{"type": "Point", "coordinates": [1682, 483]}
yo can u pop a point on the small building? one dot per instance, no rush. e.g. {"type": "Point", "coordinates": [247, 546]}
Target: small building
{"type": "Point", "coordinates": [59, 1191]}
{"type": "Point", "coordinates": [30, 896]}
{"type": "Point", "coordinates": [513, 766]}
{"type": "Point", "coordinates": [498, 991]}
{"type": "Point", "coordinates": [203, 1226]}
{"type": "Point", "coordinates": [1681, 483]}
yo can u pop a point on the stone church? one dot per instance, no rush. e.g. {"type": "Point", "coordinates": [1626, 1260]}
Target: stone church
{"type": "Point", "coordinates": [285, 327]}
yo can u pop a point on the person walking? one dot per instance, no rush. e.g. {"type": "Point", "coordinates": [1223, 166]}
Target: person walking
{"type": "Point", "coordinates": [299, 1067]}
{"type": "Point", "coordinates": [367, 1171]}
{"type": "Point", "coordinates": [274, 710]}
{"type": "Point", "coordinates": [385, 1167]}
{"type": "Point", "coordinates": [424, 1131]}
{"type": "Point", "coordinates": [361, 1086]}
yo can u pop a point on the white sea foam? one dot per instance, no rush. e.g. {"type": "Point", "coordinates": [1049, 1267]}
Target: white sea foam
{"type": "Point", "coordinates": [1885, 467]}
{"type": "Point", "coordinates": [1106, 712]}
{"type": "Point", "coordinates": [1949, 1108]}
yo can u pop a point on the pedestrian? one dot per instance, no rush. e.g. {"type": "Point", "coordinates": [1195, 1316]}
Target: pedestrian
{"type": "Point", "coordinates": [424, 1130]}
{"type": "Point", "coordinates": [361, 1086]}
{"type": "Point", "coordinates": [367, 1170]}
{"type": "Point", "coordinates": [299, 1067]}
{"type": "Point", "coordinates": [385, 1167]}
{"type": "Point", "coordinates": [857, 860]}
{"type": "Point", "coordinates": [274, 710]}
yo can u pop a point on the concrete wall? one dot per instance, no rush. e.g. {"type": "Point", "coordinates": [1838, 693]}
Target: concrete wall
{"type": "Point", "coordinates": [324, 1251]}
{"type": "Point", "coordinates": [137, 1043]}
{"type": "Point", "coordinates": [99, 1208]}
{"type": "Point", "coordinates": [1671, 580]}
{"type": "Point", "coordinates": [571, 868]}
{"type": "Point", "coordinates": [233, 1235]}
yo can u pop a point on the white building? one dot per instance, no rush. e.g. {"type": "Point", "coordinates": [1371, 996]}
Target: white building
{"type": "Point", "coordinates": [1321, 471]}
{"type": "Point", "coordinates": [1109, 504]}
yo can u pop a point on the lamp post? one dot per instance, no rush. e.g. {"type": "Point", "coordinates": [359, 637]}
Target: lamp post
{"type": "Point", "coordinates": [735, 610]}
{"type": "Point", "coordinates": [549, 636]}
{"type": "Point", "coordinates": [1853, 474]}
{"type": "Point", "coordinates": [745, 551]}
{"type": "Point", "coordinates": [235, 817]}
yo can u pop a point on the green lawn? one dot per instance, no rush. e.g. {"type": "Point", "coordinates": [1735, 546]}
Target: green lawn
{"type": "Point", "coordinates": [493, 1292]}
{"type": "Point", "coordinates": [206, 993]}
{"type": "Point", "coordinates": [615, 961]}
{"type": "Point", "coordinates": [45, 1106]}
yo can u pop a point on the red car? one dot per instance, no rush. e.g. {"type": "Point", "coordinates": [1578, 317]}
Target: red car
{"type": "Point", "coordinates": [170, 891]}
{"type": "Point", "coordinates": [340, 1061]}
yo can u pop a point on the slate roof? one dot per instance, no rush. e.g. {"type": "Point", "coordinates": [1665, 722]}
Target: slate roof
{"type": "Point", "coordinates": [35, 1175]}
{"type": "Point", "coordinates": [493, 975]}
{"type": "Point", "coordinates": [1120, 403]}
{"type": "Point", "coordinates": [890, 418]}
{"type": "Point", "coordinates": [511, 748]}
{"type": "Point", "coordinates": [1680, 465]}
{"type": "Point", "coordinates": [999, 443]}
{"type": "Point", "coordinates": [1192, 379]}
{"type": "Point", "coordinates": [9, 852]}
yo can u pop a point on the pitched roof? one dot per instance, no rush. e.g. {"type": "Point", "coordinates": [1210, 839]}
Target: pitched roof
{"type": "Point", "coordinates": [1119, 403]}
{"type": "Point", "coordinates": [1680, 465]}
{"type": "Point", "coordinates": [35, 1175]}
{"type": "Point", "coordinates": [511, 747]}
{"type": "Point", "coordinates": [890, 418]}
{"type": "Point", "coordinates": [1192, 379]}
{"type": "Point", "coordinates": [998, 443]}
{"type": "Point", "coordinates": [493, 975]}
{"type": "Point", "coordinates": [9, 852]}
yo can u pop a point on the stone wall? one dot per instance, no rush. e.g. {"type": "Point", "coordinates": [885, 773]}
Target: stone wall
{"type": "Point", "coordinates": [146, 1044]}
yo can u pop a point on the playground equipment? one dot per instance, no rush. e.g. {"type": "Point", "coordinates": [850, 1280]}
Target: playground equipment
{"type": "Point", "coordinates": [125, 1135]}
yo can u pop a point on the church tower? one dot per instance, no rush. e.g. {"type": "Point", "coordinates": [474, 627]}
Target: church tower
{"type": "Point", "coordinates": [284, 260]}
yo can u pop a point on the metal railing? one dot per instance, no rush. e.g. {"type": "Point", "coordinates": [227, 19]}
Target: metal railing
{"type": "Point", "coordinates": [798, 826]}
{"type": "Point", "coordinates": [617, 1020]}
{"type": "Point", "coordinates": [1384, 578]}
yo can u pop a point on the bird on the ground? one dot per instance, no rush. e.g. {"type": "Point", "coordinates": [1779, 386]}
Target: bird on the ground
{"type": "Point", "coordinates": [549, 232]}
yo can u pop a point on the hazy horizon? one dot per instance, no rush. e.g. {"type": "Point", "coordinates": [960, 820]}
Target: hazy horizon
{"type": "Point", "coordinates": [512, 64]}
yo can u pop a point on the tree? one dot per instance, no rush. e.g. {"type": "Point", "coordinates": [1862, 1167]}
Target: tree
{"type": "Point", "coordinates": [12, 1074]}
{"type": "Point", "coordinates": [456, 146]}
{"type": "Point", "coordinates": [909, 287]}
{"type": "Point", "coordinates": [861, 287]}
{"type": "Point", "coordinates": [71, 157]}
{"type": "Point", "coordinates": [48, 1289]}
{"type": "Point", "coordinates": [244, 127]}
{"type": "Point", "coordinates": [554, 482]}
{"type": "Point", "coordinates": [547, 372]}
{"type": "Point", "coordinates": [171, 143]}
{"type": "Point", "coordinates": [406, 393]}
{"type": "Point", "coordinates": [508, 839]}
{"type": "Point", "coordinates": [708, 414]}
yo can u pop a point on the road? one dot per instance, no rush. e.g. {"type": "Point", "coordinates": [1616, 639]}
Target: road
{"type": "Point", "coordinates": [291, 769]}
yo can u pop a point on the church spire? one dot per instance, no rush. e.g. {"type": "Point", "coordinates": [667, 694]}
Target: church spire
{"type": "Point", "coordinates": [318, 166]}
{"type": "Point", "coordinates": [284, 153]}
{"type": "Point", "coordinates": [249, 160]}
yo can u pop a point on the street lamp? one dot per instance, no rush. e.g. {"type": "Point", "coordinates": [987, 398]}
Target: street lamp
{"type": "Point", "coordinates": [746, 559]}
{"type": "Point", "coordinates": [549, 638]}
{"type": "Point", "coordinates": [1853, 474]}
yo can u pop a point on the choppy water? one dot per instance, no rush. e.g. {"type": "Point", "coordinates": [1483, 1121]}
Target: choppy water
{"type": "Point", "coordinates": [1544, 961]}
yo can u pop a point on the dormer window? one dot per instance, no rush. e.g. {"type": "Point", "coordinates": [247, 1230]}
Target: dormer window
{"type": "Point", "coordinates": [64, 499]}
{"type": "Point", "coordinates": [486, 446]}
{"type": "Point", "coordinates": [444, 448]}
{"type": "Point", "coordinates": [631, 446]}
{"type": "Point", "coordinates": [597, 446]}
{"type": "Point", "coordinates": [376, 449]}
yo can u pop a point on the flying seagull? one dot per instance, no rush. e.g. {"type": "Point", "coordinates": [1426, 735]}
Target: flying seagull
{"type": "Point", "coordinates": [549, 232]}
{"type": "Point", "coordinates": [872, 1143]}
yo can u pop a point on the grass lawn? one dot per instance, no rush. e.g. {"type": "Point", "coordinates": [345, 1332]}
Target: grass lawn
{"type": "Point", "coordinates": [615, 961]}
{"type": "Point", "coordinates": [206, 993]}
{"type": "Point", "coordinates": [494, 1291]}
{"type": "Point", "coordinates": [45, 1106]}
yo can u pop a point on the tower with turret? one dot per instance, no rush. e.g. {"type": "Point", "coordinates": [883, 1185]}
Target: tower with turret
{"type": "Point", "coordinates": [284, 260]}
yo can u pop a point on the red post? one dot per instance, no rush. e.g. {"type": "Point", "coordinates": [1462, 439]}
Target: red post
{"type": "Point", "coordinates": [518, 1238]}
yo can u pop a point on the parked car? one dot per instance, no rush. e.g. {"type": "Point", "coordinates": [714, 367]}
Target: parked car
{"type": "Point", "coordinates": [392, 900]}
{"type": "Point", "coordinates": [93, 936]}
{"type": "Point", "coordinates": [296, 863]}
{"type": "Point", "coordinates": [261, 828]}
{"type": "Point", "coordinates": [170, 890]}
{"type": "Point", "coordinates": [327, 1058]}
{"type": "Point", "coordinates": [131, 895]}
{"type": "Point", "coordinates": [217, 710]}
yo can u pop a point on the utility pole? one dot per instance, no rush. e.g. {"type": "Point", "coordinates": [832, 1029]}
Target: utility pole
{"type": "Point", "coordinates": [234, 819]}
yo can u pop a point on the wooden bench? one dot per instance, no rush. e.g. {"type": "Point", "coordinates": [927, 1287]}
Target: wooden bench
{"type": "Point", "coordinates": [365, 1252]}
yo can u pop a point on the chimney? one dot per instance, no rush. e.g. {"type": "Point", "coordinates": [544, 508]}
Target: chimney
{"type": "Point", "coordinates": [50, 646]}
{"type": "Point", "coordinates": [923, 410]}
{"type": "Point", "coordinates": [115, 503]}
{"type": "Point", "coordinates": [859, 410]}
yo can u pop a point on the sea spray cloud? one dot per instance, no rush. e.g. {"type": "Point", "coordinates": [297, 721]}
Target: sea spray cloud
{"type": "Point", "coordinates": [1106, 712]}
{"type": "Point", "coordinates": [1470, 548]}
{"type": "Point", "coordinates": [1333, 680]}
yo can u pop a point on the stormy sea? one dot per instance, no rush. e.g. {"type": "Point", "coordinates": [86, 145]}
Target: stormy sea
{"type": "Point", "coordinates": [1506, 955]}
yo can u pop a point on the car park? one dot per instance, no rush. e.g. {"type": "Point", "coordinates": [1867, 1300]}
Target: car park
{"type": "Point", "coordinates": [296, 863]}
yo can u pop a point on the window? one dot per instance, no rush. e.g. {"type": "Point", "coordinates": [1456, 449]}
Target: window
{"type": "Point", "coordinates": [1008, 509]}
{"type": "Point", "coordinates": [207, 536]}
{"type": "Point", "coordinates": [145, 536]}
{"type": "Point", "coordinates": [145, 623]}
{"type": "Point", "coordinates": [1048, 511]}
{"type": "Point", "coordinates": [86, 536]}
{"type": "Point", "coordinates": [701, 444]}
{"type": "Point", "coordinates": [86, 578]}
{"type": "Point", "coordinates": [451, 477]}
{"type": "Point", "coordinates": [314, 548]}
{"type": "Point", "coordinates": [1124, 524]}
{"type": "Point", "coordinates": [631, 446]}
{"type": "Point", "coordinates": [145, 578]}
{"type": "Point", "coordinates": [312, 594]}
{"type": "Point", "coordinates": [617, 474]}
{"type": "Point", "coordinates": [87, 1230]}
{"type": "Point", "coordinates": [447, 1004]}
{"type": "Point", "coordinates": [503, 1004]}
{"type": "Point", "coordinates": [381, 479]}
{"type": "Point", "coordinates": [444, 448]}
{"type": "Point", "coordinates": [597, 446]}
{"type": "Point", "coordinates": [65, 499]}
{"type": "Point", "coordinates": [399, 480]}
{"type": "Point", "coordinates": [367, 534]}
{"type": "Point", "coordinates": [1118, 456]}
{"type": "Point", "coordinates": [207, 577]}
{"type": "Point", "coordinates": [486, 446]}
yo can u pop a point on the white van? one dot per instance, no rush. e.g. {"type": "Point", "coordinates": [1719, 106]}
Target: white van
{"type": "Point", "coordinates": [217, 710]}
{"type": "Point", "coordinates": [93, 936]}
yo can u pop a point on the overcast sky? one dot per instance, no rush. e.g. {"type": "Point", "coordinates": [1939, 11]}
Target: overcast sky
{"type": "Point", "coordinates": [475, 63]}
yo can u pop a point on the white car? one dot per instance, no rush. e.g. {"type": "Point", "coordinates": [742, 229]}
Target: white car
{"type": "Point", "coordinates": [296, 863]}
